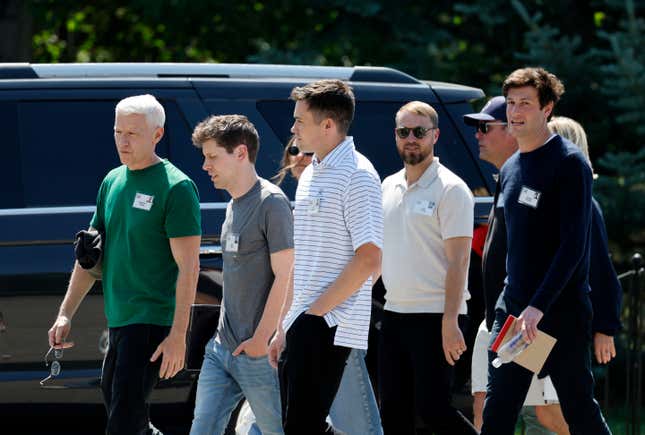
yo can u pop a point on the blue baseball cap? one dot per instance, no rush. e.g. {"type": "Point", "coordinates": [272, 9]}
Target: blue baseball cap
{"type": "Point", "coordinates": [494, 110]}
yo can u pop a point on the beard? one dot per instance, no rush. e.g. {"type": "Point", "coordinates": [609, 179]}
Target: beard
{"type": "Point", "coordinates": [413, 155]}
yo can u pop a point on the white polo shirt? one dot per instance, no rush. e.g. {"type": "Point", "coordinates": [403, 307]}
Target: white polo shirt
{"type": "Point", "coordinates": [417, 219]}
{"type": "Point", "coordinates": [338, 209]}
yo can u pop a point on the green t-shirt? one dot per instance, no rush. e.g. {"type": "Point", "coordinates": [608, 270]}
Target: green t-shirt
{"type": "Point", "coordinates": [139, 212]}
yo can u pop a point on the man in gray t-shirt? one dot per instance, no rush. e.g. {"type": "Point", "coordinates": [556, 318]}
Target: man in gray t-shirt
{"type": "Point", "coordinates": [257, 224]}
{"type": "Point", "coordinates": [257, 245]}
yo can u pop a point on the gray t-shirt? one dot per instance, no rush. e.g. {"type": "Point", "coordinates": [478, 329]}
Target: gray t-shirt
{"type": "Point", "coordinates": [257, 224]}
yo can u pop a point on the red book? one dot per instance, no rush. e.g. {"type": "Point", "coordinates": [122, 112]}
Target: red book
{"type": "Point", "coordinates": [505, 329]}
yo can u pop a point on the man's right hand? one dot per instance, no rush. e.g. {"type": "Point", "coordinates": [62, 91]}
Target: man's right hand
{"type": "Point", "coordinates": [527, 323]}
{"type": "Point", "coordinates": [275, 348]}
{"type": "Point", "coordinates": [59, 332]}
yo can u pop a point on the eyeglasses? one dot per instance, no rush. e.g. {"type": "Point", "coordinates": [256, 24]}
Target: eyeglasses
{"type": "Point", "coordinates": [484, 127]}
{"type": "Point", "coordinates": [54, 368]}
{"type": "Point", "coordinates": [418, 132]}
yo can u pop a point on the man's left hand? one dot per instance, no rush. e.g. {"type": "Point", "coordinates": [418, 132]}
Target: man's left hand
{"type": "Point", "coordinates": [253, 347]}
{"type": "Point", "coordinates": [604, 348]}
{"type": "Point", "coordinates": [173, 348]}
{"type": "Point", "coordinates": [452, 340]}
{"type": "Point", "coordinates": [528, 322]}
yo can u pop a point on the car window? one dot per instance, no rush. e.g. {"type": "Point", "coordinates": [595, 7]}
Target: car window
{"type": "Point", "coordinates": [62, 142]}
{"type": "Point", "coordinates": [10, 172]}
{"type": "Point", "coordinates": [373, 132]}
{"type": "Point", "coordinates": [477, 173]}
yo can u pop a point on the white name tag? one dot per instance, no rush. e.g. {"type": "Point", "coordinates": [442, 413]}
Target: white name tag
{"type": "Point", "coordinates": [424, 207]}
{"type": "Point", "coordinates": [314, 205]}
{"type": "Point", "coordinates": [232, 242]}
{"type": "Point", "coordinates": [143, 201]}
{"type": "Point", "coordinates": [529, 197]}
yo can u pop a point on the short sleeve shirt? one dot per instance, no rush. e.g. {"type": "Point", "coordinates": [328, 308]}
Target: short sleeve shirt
{"type": "Point", "coordinates": [139, 211]}
{"type": "Point", "coordinates": [418, 219]}
{"type": "Point", "coordinates": [338, 210]}
{"type": "Point", "coordinates": [258, 224]}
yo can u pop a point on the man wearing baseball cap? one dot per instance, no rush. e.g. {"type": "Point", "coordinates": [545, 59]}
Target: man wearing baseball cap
{"type": "Point", "coordinates": [496, 145]}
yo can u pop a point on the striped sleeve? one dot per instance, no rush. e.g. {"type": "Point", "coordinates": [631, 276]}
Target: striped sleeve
{"type": "Point", "coordinates": [363, 210]}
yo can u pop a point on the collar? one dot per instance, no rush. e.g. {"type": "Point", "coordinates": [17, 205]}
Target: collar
{"type": "Point", "coordinates": [426, 178]}
{"type": "Point", "coordinates": [337, 155]}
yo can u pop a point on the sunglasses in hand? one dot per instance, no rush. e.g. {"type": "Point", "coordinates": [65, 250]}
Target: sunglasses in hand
{"type": "Point", "coordinates": [54, 367]}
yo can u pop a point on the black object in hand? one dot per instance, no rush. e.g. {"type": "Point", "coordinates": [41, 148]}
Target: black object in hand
{"type": "Point", "coordinates": [88, 249]}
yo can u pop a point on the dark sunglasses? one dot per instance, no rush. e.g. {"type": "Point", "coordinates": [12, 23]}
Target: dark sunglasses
{"type": "Point", "coordinates": [484, 127]}
{"type": "Point", "coordinates": [418, 132]}
{"type": "Point", "coordinates": [54, 367]}
{"type": "Point", "coordinates": [294, 151]}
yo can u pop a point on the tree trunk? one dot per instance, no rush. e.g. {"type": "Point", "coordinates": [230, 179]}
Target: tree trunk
{"type": "Point", "coordinates": [15, 31]}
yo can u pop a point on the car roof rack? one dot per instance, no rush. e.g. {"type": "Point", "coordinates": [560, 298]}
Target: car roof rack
{"type": "Point", "coordinates": [203, 70]}
{"type": "Point", "coordinates": [17, 71]}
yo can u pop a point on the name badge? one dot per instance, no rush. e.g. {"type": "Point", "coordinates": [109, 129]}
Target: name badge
{"type": "Point", "coordinates": [143, 201]}
{"type": "Point", "coordinates": [424, 207]}
{"type": "Point", "coordinates": [232, 242]}
{"type": "Point", "coordinates": [529, 197]}
{"type": "Point", "coordinates": [314, 205]}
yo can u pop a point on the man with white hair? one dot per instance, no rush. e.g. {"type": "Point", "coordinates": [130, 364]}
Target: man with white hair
{"type": "Point", "coordinates": [149, 212]}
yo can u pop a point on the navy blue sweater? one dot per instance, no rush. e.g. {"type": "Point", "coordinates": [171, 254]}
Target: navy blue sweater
{"type": "Point", "coordinates": [546, 195]}
{"type": "Point", "coordinates": [606, 293]}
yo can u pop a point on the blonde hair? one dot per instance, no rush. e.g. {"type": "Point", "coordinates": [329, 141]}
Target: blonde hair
{"type": "Point", "coordinates": [572, 130]}
{"type": "Point", "coordinates": [422, 109]}
{"type": "Point", "coordinates": [285, 163]}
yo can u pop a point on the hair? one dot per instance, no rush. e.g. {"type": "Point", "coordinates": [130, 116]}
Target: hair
{"type": "Point", "coordinates": [228, 131]}
{"type": "Point", "coordinates": [285, 163]}
{"type": "Point", "coordinates": [328, 99]}
{"type": "Point", "coordinates": [548, 86]}
{"type": "Point", "coordinates": [143, 105]}
{"type": "Point", "coordinates": [572, 130]}
{"type": "Point", "coordinates": [422, 109]}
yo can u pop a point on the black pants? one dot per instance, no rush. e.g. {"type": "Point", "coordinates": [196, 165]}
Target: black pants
{"type": "Point", "coordinates": [128, 377]}
{"type": "Point", "coordinates": [569, 366]}
{"type": "Point", "coordinates": [311, 368]}
{"type": "Point", "coordinates": [414, 377]}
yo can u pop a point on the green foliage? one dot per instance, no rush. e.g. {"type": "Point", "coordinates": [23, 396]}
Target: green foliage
{"type": "Point", "coordinates": [622, 196]}
{"type": "Point", "coordinates": [624, 70]}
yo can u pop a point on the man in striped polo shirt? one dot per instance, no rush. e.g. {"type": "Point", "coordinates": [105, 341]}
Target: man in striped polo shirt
{"type": "Point", "coordinates": [338, 230]}
{"type": "Point", "coordinates": [428, 214]}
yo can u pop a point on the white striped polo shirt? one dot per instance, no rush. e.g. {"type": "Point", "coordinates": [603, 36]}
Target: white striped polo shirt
{"type": "Point", "coordinates": [338, 209]}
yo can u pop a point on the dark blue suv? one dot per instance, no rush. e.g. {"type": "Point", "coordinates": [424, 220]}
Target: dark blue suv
{"type": "Point", "coordinates": [57, 145]}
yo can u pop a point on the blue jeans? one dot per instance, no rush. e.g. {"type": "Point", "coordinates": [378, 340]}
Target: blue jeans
{"type": "Point", "coordinates": [223, 381]}
{"type": "Point", "coordinates": [354, 410]}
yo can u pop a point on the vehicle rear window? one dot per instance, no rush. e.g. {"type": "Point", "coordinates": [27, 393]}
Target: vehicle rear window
{"type": "Point", "coordinates": [67, 148]}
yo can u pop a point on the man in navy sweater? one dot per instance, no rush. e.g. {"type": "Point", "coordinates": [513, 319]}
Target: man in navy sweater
{"type": "Point", "coordinates": [546, 193]}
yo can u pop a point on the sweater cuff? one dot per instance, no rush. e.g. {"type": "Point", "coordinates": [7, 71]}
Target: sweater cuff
{"type": "Point", "coordinates": [541, 300]}
{"type": "Point", "coordinates": [610, 330]}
